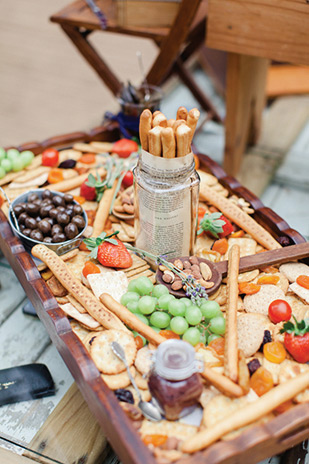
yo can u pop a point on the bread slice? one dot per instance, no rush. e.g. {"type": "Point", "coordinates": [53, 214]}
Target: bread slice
{"type": "Point", "coordinates": [260, 301]}
{"type": "Point", "coordinates": [250, 330]}
{"type": "Point", "coordinates": [293, 270]}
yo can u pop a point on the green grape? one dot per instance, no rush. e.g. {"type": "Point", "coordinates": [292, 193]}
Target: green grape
{"type": "Point", "coordinates": [2, 172]}
{"type": "Point", "coordinates": [27, 157]}
{"type": "Point", "coordinates": [12, 154]}
{"type": "Point", "coordinates": [132, 287]}
{"type": "Point", "coordinates": [186, 301]}
{"type": "Point", "coordinates": [17, 164]}
{"type": "Point", "coordinates": [192, 336]}
{"type": "Point", "coordinates": [129, 296]}
{"type": "Point", "coordinates": [179, 325]}
{"type": "Point", "coordinates": [6, 164]}
{"type": "Point", "coordinates": [2, 153]}
{"type": "Point", "coordinates": [156, 329]}
{"type": "Point", "coordinates": [147, 304]}
{"type": "Point", "coordinates": [133, 307]}
{"type": "Point", "coordinates": [193, 315]}
{"type": "Point", "coordinates": [160, 319]}
{"type": "Point", "coordinates": [210, 309]}
{"type": "Point", "coordinates": [142, 318]}
{"type": "Point", "coordinates": [136, 334]}
{"type": "Point", "coordinates": [159, 290]}
{"type": "Point", "coordinates": [164, 300]}
{"type": "Point", "coordinates": [176, 308]}
{"type": "Point", "coordinates": [212, 337]}
{"type": "Point", "coordinates": [144, 285]}
{"type": "Point", "coordinates": [217, 325]}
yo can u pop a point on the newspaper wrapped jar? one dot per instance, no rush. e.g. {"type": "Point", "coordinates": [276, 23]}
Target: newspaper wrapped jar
{"type": "Point", "coordinates": [166, 204]}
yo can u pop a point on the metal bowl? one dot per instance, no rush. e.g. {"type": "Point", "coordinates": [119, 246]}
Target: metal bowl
{"type": "Point", "coordinates": [59, 248]}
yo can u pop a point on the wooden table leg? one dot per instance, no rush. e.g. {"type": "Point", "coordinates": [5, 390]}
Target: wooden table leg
{"type": "Point", "coordinates": [80, 41]}
{"type": "Point", "coordinates": [245, 100]}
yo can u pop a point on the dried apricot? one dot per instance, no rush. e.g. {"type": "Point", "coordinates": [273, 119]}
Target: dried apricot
{"type": "Point", "coordinates": [274, 352]}
{"type": "Point", "coordinates": [268, 279]}
{"type": "Point", "coordinates": [218, 345]}
{"type": "Point", "coordinates": [238, 234]}
{"type": "Point", "coordinates": [303, 281]}
{"type": "Point", "coordinates": [269, 269]}
{"type": "Point", "coordinates": [55, 175]}
{"type": "Point", "coordinates": [169, 334]}
{"type": "Point", "coordinates": [87, 158]}
{"type": "Point", "coordinates": [261, 381]}
{"type": "Point", "coordinates": [79, 199]}
{"type": "Point", "coordinates": [83, 247]}
{"type": "Point", "coordinates": [248, 288]}
{"type": "Point", "coordinates": [154, 439]}
{"type": "Point", "coordinates": [138, 342]}
{"type": "Point", "coordinates": [221, 246]}
{"type": "Point", "coordinates": [90, 268]}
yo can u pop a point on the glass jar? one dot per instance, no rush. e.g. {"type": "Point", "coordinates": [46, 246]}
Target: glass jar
{"type": "Point", "coordinates": [174, 381]}
{"type": "Point", "coordinates": [166, 195]}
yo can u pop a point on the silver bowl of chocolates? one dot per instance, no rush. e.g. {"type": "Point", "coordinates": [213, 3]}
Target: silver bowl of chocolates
{"type": "Point", "coordinates": [42, 216]}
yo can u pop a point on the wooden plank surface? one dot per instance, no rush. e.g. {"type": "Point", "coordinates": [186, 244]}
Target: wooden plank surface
{"type": "Point", "coordinates": [8, 457]}
{"type": "Point", "coordinates": [272, 29]}
{"type": "Point", "coordinates": [287, 80]}
{"type": "Point", "coordinates": [281, 126]}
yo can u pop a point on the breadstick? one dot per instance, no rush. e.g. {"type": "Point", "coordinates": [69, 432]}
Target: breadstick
{"type": "Point", "coordinates": [154, 114]}
{"type": "Point", "coordinates": [130, 319]}
{"type": "Point", "coordinates": [248, 413]}
{"type": "Point", "coordinates": [170, 123]}
{"type": "Point", "coordinates": [76, 288]}
{"type": "Point", "coordinates": [243, 373]}
{"type": "Point", "coordinates": [168, 142]}
{"type": "Point", "coordinates": [155, 141]}
{"type": "Point", "coordinates": [86, 148]}
{"type": "Point", "coordinates": [183, 140]}
{"type": "Point", "coordinates": [182, 113]}
{"type": "Point", "coordinates": [222, 383]}
{"type": "Point", "coordinates": [103, 210]}
{"type": "Point", "coordinates": [103, 146]}
{"type": "Point", "coordinates": [158, 120]}
{"type": "Point", "coordinates": [178, 123]}
{"type": "Point", "coordinates": [192, 120]}
{"type": "Point", "coordinates": [144, 127]}
{"type": "Point", "coordinates": [74, 182]}
{"type": "Point", "coordinates": [237, 215]}
{"type": "Point", "coordinates": [65, 257]}
{"type": "Point", "coordinates": [231, 343]}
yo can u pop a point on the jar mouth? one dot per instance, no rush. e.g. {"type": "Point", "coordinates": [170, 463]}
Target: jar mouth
{"type": "Point", "coordinates": [175, 360]}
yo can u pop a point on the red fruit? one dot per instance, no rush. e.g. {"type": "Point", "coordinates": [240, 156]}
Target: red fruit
{"type": "Point", "coordinates": [88, 192]}
{"type": "Point", "coordinates": [279, 310]}
{"type": "Point", "coordinates": [216, 225]}
{"type": "Point", "coordinates": [296, 340]}
{"type": "Point", "coordinates": [127, 180]}
{"type": "Point", "coordinates": [125, 147]}
{"type": "Point", "coordinates": [50, 157]}
{"type": "Point", "coordinates": [114, 255]}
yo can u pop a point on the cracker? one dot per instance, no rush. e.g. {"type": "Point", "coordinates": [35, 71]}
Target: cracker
{"type": "Point", "coordinates": [207, 179]}
{"type": "Point", "coordinates": [76, 304]}
{"type": "Point", "coordinates": [114, 283]}
{"type": "Point", "coordinates": [209, 357]}
{"type": "Point", "coordinates": [146, 395]}
{"type": "Point", "coordinates": [290, 369]}
{"type": "Point", "coordinates": [79, 330]}
{"type": "Point", "coordinates": [248, 276]}
{"type": "Point", "coordinates": [168, 428]}
{"type": "Point", "coordinates": [300, 291]}
{"type": "Point", "coordinates": [85, 319]}
{"type": "Point", "coordinates": [260, 301]}
{"type": "Point", "coordinates": [88, 340]}
{"type": "Point", "coordinates": [62, 299]}
{"type": "Point", "coordinates": [293, 270]}
{"type": "Point", "coordinates": [240, 305]}
{"type": "Point", "coordinates": [56, 287]}
{"type": "Point", "coordinates": [141, 381]}
{"type": "Point", "coordinates": [247, 246]}
{"type": "Point", "coordinates": [208, 394]}
{"type": "Point", "coordinates": [250, 330]}
{"type": "Point", "coordinates": [115, 381]}
{"type": "Point", "coordinates": [103, 356]}
{"type": "Point", "coordinates": [143, 360]}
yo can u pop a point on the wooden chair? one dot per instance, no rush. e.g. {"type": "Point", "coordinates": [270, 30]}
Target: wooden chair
{"type": "Point", "coordinates": [176, 44]}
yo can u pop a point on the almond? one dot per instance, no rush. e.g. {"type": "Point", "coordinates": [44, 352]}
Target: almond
{"type": "Point", "coordinates": [205, 271]}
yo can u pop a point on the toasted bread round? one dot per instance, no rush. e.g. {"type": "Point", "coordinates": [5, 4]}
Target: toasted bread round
{"type": "Point", "coordinates": [250, 330]}
{"type": "Point", "coordinates": [260, 301]}
{"type": "Point", "coordinates": [103, 356]}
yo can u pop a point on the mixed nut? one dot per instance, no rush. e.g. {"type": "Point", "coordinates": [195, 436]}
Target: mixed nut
{"type": "Point", "coordinates": [200, 271]}
{"type": "Point", "coordinates": [125, 203]}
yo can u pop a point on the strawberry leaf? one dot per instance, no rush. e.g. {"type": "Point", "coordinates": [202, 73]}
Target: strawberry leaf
{"type": "Point", "coordinates": [298, 329]}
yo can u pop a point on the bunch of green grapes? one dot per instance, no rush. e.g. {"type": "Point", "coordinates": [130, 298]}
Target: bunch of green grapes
{"type": "Point", "coordinates": [13, 160]}
{"type": "Point", "coordinates": [154, 305]}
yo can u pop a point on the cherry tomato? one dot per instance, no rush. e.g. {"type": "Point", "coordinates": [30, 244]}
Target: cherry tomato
{"type": "Point", "coordinates": [279, 310]}
{"type": "Point", "coordinates": [50, 157]}
{"type": "Point", "coordinates": [127, 181]}
{"type": "Point", "coordinates": [124, 147]}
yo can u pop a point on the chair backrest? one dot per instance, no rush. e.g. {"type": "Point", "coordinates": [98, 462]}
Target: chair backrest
{"type": "Point", "coordinates": [170, 48]}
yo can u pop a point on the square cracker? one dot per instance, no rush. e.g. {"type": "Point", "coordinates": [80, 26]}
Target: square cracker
{"type": "Point", "coordinates": [247, 246]}
{"type": "Point", "coordinates": [114, 283]}
{"type": "Point", "coordinates": [84, 319]}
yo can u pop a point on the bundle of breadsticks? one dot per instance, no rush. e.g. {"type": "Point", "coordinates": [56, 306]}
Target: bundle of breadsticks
{"type": "Point", "coordinates": [168, 138]}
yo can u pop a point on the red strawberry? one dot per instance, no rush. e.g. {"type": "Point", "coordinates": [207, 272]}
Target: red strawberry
{"type": "Point", "coordinates": [215, 224]}
{"type": "Point", "coordinates": [88, 192]}
{"type": "Point", "coordinates": [110, 252]}
{"type": "Point", "coordinates": [296, 340]}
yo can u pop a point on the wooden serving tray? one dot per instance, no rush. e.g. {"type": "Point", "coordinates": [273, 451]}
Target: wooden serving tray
{"type": "Point", "coordinates": [255, 444]}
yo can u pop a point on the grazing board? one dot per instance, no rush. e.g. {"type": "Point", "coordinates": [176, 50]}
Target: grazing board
{"type": "Point", "coordinates": [256, 443]}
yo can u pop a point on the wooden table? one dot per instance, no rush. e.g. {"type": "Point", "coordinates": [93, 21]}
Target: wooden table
{"type": "Point", "coordinates": [253, 32]}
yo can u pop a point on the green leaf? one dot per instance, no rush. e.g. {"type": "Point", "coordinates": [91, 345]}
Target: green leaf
{"type": "Point", "coordinates": [94, 253]}
{"type": "Point", "coordinates": [111, 240]}
{"type": "Point", "coordinates": [91, 181]}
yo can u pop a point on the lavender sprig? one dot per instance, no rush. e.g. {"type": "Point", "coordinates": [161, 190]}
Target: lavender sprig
{"type": "Point", "coordinates": [195, 291]}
